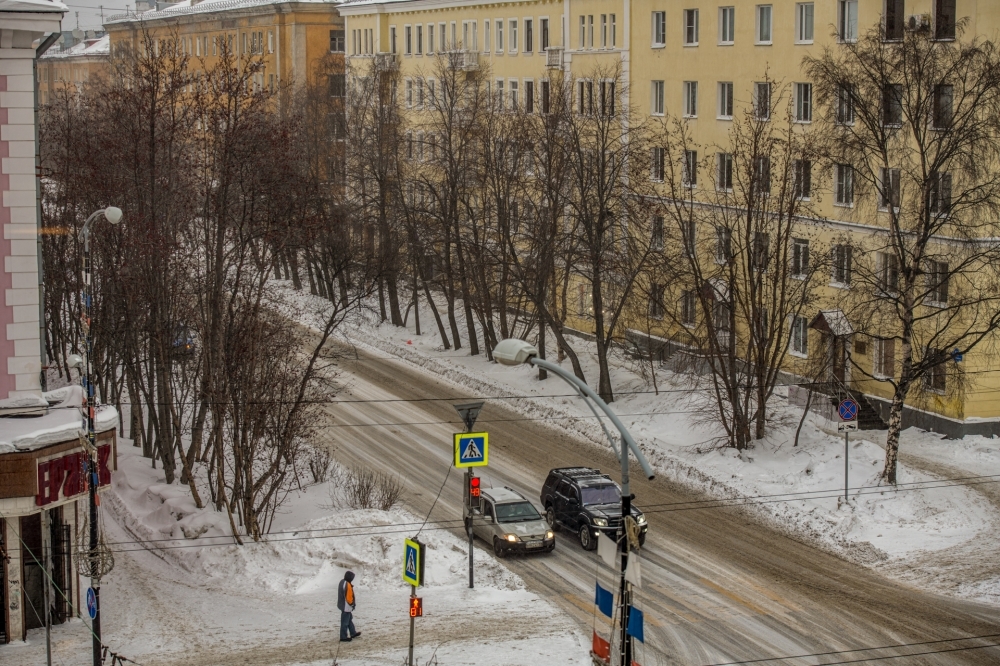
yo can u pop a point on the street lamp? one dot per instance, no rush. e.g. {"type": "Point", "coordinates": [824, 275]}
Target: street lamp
{"type": "Point", "coordinates": [113, 215]}
{"type": "Point", "coordinates": [517, 352]}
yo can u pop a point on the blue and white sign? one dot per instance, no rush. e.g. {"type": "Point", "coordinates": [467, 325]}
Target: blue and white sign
{"type": "Point", "coordinates": [472, 449]}
{"type": "Point", "coordinates": [848, 409]}
{"type": "Point", "coordinates": [413, 562]}
{"type": "Point", "coordinates": [91, 603]}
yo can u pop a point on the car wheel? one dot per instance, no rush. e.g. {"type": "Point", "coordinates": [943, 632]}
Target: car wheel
{"type": "Point", "coordinates": [587, 539]}
{"type": "Point", "coordinates": [550, 518]}
{"type": "Point", "coordinates": [498, 548]}
{"type": "Point", "coordinates": [642, 539]}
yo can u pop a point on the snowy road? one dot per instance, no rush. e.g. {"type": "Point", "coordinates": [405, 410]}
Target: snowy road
{"type": "Point", "coordinates": [717, 587]}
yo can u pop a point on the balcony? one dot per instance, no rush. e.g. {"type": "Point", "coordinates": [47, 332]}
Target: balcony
{"type": "Point", "coordinates": [466, 61]}
{"type": "Point", "coordinates": [554, 57]}
{"type": "Point", "coordinates": [387, 62]}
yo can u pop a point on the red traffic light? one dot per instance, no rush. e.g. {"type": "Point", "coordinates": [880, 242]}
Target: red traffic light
{"type": "Point", "coordinates": [474, 486]}
{"type": "Point", "coordinates": [416, 607]}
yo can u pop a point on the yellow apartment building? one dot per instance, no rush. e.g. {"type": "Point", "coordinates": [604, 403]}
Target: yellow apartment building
{"type": "Point", "coordinates": [701, 60]}
{"type": "Point", "coordinates": [74, 66]}
{"type": "Point", "coordinates": [300, 40]}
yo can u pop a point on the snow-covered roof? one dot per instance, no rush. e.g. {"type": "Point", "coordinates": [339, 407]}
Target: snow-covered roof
{"type": "Point", "coordinates": [86, 48]}
{"type": "Point", "coordinates": [32, 6]}
{"type": "Point", "coordinates": [61, 422]}
{"type": "Point", "coordinates": [832, 321]}
{"type": "Point", "coordinates": [185, 7]}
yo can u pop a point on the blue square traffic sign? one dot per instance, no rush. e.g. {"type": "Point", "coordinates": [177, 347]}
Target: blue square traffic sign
{"type": "Point", "coordinates": [472, 449]}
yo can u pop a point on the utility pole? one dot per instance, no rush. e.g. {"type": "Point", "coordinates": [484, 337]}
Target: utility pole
{"type": "Point", "coordinates": [469, 411]}
{"type": "Point", "coordinates": [46, 580]}
{"type": "Point", "coordinates": [413, 617]}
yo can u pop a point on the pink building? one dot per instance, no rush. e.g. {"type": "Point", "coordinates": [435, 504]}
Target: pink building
{"type": "Point", "coordinates": [22, 22]}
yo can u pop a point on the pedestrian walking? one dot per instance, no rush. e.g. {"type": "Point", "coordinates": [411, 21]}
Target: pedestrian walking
{"type": "Point", "coordinates": [345, 602]}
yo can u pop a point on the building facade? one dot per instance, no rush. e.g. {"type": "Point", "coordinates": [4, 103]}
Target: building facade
{"type": "Point", "coordinates": [72, 67]}
{"type": "Point", "coordinates": [703, 62]}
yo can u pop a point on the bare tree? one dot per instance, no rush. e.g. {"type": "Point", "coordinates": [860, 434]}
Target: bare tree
{"type": "Point", "coordinates": [912, 129]}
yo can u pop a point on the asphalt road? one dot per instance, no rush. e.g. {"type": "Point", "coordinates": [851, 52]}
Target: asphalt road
{"type": "Point", "coordinates": [717, 587]}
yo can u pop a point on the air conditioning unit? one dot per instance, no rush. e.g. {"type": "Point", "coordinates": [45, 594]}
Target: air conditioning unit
{"type": "Point", "coordinates": [918, 22]}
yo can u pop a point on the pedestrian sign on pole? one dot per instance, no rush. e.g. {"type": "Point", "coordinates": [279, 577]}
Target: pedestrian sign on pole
{"type": "Point", "coordinates": [91, 603]}
{"type": "Point", "coordinates": [472, 449]}
{"type": "Point", "coordinates": [413, 562]}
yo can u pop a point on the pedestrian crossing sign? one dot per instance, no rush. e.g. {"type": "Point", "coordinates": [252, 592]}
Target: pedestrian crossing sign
{"type": "Point", "coordinates": [472, 449]}
{"type": "Point", "coordinates": [413, 562]}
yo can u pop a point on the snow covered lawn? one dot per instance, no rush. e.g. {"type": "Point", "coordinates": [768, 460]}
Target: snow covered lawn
{"type": "Point", "coordinates": [799, 489]}
{"type": "Point", "coordinates": [176, 600]}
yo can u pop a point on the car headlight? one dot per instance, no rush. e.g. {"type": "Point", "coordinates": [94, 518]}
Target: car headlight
{"type": "Point", "coordinates": [641, 519]}
{"type": "Point", "coordinates": [600, 522]}
{"type": "Point", "coordinates": [549, 534]}
{"type": "Point", "coordinates": [510, 537]}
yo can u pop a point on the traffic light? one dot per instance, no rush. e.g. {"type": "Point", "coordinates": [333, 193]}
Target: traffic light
{"type": "Point", "coordinates": [474, 486]}
{"type": "Point", "coordinates": [416, 607]}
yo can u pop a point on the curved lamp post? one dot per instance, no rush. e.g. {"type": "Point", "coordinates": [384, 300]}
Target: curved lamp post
{"type": "Point", "coordinates": [113, 215]}
{"type": "Point", "coordinates": [517, 352]}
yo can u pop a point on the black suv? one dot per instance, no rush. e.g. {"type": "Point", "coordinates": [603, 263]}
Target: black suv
{"type": "Point", "coordinates": [585, 501]}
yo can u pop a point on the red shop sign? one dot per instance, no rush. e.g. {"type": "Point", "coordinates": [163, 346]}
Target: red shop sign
{"type": "Point", "coordinates": [67, 475]}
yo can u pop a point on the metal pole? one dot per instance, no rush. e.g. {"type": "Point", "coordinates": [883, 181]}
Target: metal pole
{"type": "Point", "coordinates": [847, 467]}
{"type": "Point", "coordinates": [413, 594]}
{"type": "Point", "coordinates": [468, 526]}
{"type": "Point", "coordinates": [47, 550]}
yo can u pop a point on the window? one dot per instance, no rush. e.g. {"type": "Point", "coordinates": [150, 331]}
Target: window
{"type": "Point", "coordinates": [408, 45]}
{"type": "Point", "coordinates": [529, 36]}
{"type": "Point", "coordinates": [725, 100]}
{"type": "Point", "coordinates": [893, 18]}
{"type": "Point", "coordinates": [936, 378]}
{"type": "Point", "coordinates": [657, 98]}
{"type": "Point", "coordinates": [800, 335]}
{"type": "Point", "coordinates": [762, 100]}
{"type": "Point", "coordinates": [585, 97]}
{"type": "Point", "coordinates": [409, 146]}
{"type": "Point", "coordinates": [727, 25]}
{"type": "Point", "coordinates": [392, 39]}
{"type": "Point", "coordinates": [454, 37]}
{"type": "Point", "coordinates": [942, 112]}
{"type": "Point", "coordinates": [608, 98]}
{"type": "Point", "coordinates": [847, 20]}
{"type": "Point", "coordinates": [513, 95]}
{"type": "Point", "coordinates": [431, 95]}
{"type": "Point", "coordinates": [338, 85]}
{"type": "Point", "coordinates": [614, 31]}
{"type": "Point", "coordinates": [940, 193]}
{"type": "Point", "coordinates": [724, 171]}
{"type": "Point", "coordinates": [884, 358]}
{"type": "Point", "coordinates": [529, 96]}
{"type": "Point", "coordinates": [656, 233]}
{"type": "Point", "coordinates": [544, 24]}
{"type": "Point", "coordinates": [430, 38]}
{"type": "Point", "coordinates": [690, 99]}
{"type": "Point", "coordinates": [892, 105]}
{"type": "Point", "coordinates": [498, 101]}
{"type": "Point", "coordinates": [761, 251]}
{"type": "Point", "coordinates": [887, 266]}
{"type": "Point", "coordinates": [842, 256]}
{"type": "Point", "coordinates": [604, 31]}
{"type": "Point", "coordinates": [545, 96]}
{"type": "Point", "coordinates": [442, 42]}
{"type": "Point", "coordinates": [803, 102]}
{"type": "Point", "coordinates": [583, 32]}
{"type": "Point", "coordinates": [845, 104]}
{"type": "Point", "coordinates": [762, 175]}
{"type": "Point", "coordinates": [937, 282]}
{"type": "Point", "coordinates": [723, 245]}
{"type": "Point", "coordinates": [689, 305]}
{"type": "Point", "coordinates": [690, 175]}
{"type": "Point", "coordinates": [804, 23]}
{"type": "Point", "coordinates": [844, 185]}
{"type": "Point", "coordinates": [800, 257]}
{"type": "Point", "coordinates": [582, 298]}
{"type": "Point", "coordinates": [420, 40]}
{"type": "Point", "coordinates": [656, 164]}
{"type": "Point", "coordinates": [763, 24]}
{"type": "Point", "coordinates": [420, 93]}
{"type": "Point", "coordinates": [499, 24]}
{"type": "Point", "coordinates": [944, 19]}
{"type": "Point", "coordinates": [802, 178]}
{"type": "Point", "coordinates": [409, 93]}
{"type": "Point", "coordinates": [512, 37]}
{"type": "Point", "coordinates": [888, 188]}
{"type": "Point", "coordinates": [270, 42]}
{"type": "Point", "coordinates": [656, 301]}
{"type": "Point", "coordinates": [590, 31]}
{"type": "Point", "coordinates": [688, 237]}
{"type": "Point", "coordinates": [659, 29]}
{"type": "Point", "coordinates": [690, 27]}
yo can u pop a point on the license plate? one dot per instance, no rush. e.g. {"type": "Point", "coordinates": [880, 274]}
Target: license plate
{"type": "Point", "coordinates": [534, 544]}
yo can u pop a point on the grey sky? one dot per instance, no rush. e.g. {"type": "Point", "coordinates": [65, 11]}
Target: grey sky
{"type": "Point", "coordinates": [90, 14]}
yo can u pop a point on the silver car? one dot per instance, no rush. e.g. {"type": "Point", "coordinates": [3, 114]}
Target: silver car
{"type": "Point", "coordinates": [510, 523]}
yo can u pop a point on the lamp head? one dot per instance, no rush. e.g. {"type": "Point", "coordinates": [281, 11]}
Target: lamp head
{"type": "Point", "coordinates": [514, 352]}
{"type": "Point", "coordinates": [113, 214]}
{"type": "Point", "coordinates": [74, 361]}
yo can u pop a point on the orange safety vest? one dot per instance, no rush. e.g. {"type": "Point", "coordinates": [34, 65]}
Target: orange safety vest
{"type": "Point", "coordinates": [349, 594]}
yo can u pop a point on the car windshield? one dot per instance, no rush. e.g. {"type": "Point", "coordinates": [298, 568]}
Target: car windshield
{"type": "Point", "coordinates": [601, 495]}
{"type": "Point", "coordinates": [516, 512]}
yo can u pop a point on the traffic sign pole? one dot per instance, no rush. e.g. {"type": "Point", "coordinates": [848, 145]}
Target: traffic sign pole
{"type": "Point", "coordinates": [469, 411]}
{"type": "Point", "coordinates": [413, 594]}
{"type": "Point", "coordinates": [848, 410]}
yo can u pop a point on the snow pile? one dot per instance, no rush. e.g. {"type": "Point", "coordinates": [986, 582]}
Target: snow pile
{"type": "Point", "coordinates": [799, 489]}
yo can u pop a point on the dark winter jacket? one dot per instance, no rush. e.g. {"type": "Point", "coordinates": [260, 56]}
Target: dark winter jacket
{"type": "Point", "coordinates": [345, 594]}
